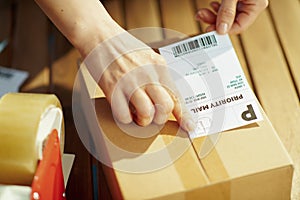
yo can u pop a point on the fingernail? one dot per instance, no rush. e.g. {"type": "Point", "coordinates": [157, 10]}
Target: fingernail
{"type": "Point", "coordinates": [152, 113]}
{"type": "Point", "coordinates": [162, 119]}
{"type": "Point", "coordinates": [223, 28]}
{"type": "Point", "coordinates": [190, 125]}
{"type": "Point", "coordinates": [199, 15]}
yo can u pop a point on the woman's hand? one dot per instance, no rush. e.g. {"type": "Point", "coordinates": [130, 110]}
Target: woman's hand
{"type": "Point", "coordinates": [231, 16]}
{"type": "Point", "coordinates": [136, 82]}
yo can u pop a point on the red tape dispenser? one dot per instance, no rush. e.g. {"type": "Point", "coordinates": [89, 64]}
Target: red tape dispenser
{"type": "Point", "coordinates": [48, 183]}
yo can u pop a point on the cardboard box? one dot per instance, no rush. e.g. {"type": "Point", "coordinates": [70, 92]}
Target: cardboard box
{"type": "Point", "coordinates": [249, 162]}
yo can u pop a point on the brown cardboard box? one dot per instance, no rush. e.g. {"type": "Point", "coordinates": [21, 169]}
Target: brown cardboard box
{"type": "Point", "coordinates": [249, 162]}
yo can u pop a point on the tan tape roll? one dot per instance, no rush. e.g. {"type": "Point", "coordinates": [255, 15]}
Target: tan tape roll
{"type": "Point", "coordinates": [20, 116]}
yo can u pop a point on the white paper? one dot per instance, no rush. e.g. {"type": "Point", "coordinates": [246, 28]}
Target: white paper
{"type": "Point", "coordinates": [67, 164]}
{"type": "Point", "coordinates": [15, 192]}
{"type": "Point", "coordinates": [11, 80]}
{"type": "Point", "coordinates": [211, 81]}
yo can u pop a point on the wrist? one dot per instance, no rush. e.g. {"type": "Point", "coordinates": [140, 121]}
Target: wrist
{"type": "Point", "coordinates": [87, 35]}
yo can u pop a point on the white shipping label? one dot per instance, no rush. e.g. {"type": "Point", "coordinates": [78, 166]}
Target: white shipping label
{"type": "Point", "coordinates": [211, 82]}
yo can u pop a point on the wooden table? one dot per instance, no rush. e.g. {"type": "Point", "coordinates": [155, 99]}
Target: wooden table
{"type": "Point", "coordinates": [268, 51]}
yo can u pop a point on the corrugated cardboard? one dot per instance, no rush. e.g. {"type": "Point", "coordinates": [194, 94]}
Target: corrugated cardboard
{"type": "Point", "coordinates": [249, 162]}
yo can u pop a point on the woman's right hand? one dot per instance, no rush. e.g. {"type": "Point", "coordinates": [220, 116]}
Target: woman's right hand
{"type": "Point", "coordinates": [136, 82]}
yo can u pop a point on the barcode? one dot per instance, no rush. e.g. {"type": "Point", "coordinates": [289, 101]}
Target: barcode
{"type": "Point", "coordinates": [191, 46]}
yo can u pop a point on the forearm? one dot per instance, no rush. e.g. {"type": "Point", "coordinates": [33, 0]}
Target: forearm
{"type": "Point", "coordinates": [84, 23]}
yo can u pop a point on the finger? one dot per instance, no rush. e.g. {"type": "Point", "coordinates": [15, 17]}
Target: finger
{"type": "Point", "coordinates": [180, 112]}
{"type": "Point", "coordinates": [226, 15]}
{"type": "Point", "coordinates": [120, 107]}
{"type": "Point", "coordinates": [162, 101]}
{"type": "Point", "coordinates": [143, 112]}
{"type": "Point", "coordinates": [242, 22]}
{"type": "Point", "coordinates": [182, 115]}
{"type": "Point", "coordinates": [206, 16]}
{"type": "Point", "coordinates": [215, 6]}
{"type": "Point", "coordinates": [246, 14]}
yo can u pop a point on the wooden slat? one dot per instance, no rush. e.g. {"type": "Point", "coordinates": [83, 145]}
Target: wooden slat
{"type": "Point", "coordinates": [103, 188]}
{"type": "Point", "coordinates": [116, 11]}
{"type": "Point", "coordinates": [80, 181]}
{"type": "Point", "coordinates": [202, 4]}
{"type": "Point", "coordinates": [286, 16]}
{"type": "Point", "coordinates": [30, 51]}
{"type": "Point", "coordinates": [5, 32]}
{"type": "Point", "coordinates": [234, 39]}
{"type": "Point", "coordinates": [274, 85]}
{"type": "Point", "coordinates": [144, 13]}
{"type": "Point", "coordinates": [5, 19]}
{"type": "Point", "coordinates": [65, 69]}
{"type": "Point", "coordinates": [179, 15]}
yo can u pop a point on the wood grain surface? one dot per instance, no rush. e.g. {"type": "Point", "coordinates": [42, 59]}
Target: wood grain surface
{"type": "Point", "coordinates": [268, 52]}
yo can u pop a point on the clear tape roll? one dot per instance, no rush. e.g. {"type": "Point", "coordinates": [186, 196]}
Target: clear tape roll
{"type": "Point", "coordinates": [25, 122]}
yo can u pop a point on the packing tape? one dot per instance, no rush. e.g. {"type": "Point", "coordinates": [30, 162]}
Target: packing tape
{"type": "Point", "coordinates": [25, 122]}
{"type": "Point", "coordinates": [215, 170]}
{"type": "Point", "coordinates": [212, 163]}
{"type": "Point", "coordinates": [212, 171]}
{"type": "Point", "coordinates": [181, 164]}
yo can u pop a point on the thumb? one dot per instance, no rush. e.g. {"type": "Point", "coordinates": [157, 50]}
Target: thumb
{"type": "Point", "coordinates": [226, 15]}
